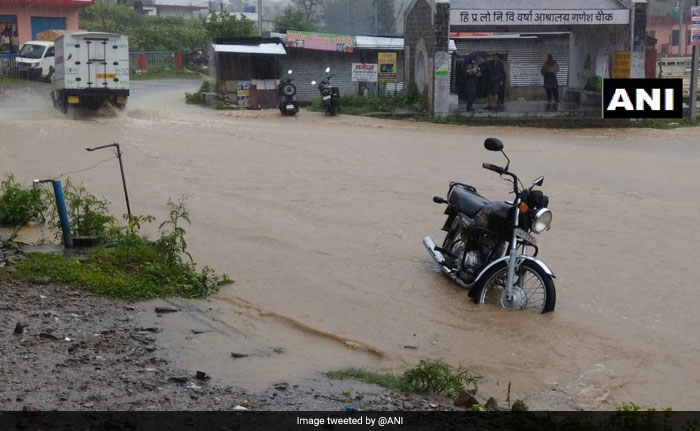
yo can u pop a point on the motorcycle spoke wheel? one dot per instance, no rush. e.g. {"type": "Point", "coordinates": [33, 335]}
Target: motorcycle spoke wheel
{"type": "Point", "coordinates": [533, 288]}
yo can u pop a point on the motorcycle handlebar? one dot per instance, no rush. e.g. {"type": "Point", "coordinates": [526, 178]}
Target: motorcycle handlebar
{"type": "Point", "coordinates": [502, 171]}
{"type": "Point", "coordinates": [494, 168]}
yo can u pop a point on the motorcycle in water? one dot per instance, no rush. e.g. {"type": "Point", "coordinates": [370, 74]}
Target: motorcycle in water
{"type": "Point", "coordinates": [288, 96]}
{"type": "Point", "coordinates": [330, 95]}
{"type": "Point", "coordinates": [487, 243]}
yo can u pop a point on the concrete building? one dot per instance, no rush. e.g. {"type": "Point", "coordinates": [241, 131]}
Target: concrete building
{"type": "Point", "coordinates": [665, 25]}
{"type": "Point", "coordinates": [29, 17]}
{"type": "Point", "coordinates": [583, 36]}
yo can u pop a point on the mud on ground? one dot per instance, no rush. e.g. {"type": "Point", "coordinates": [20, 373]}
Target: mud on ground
{"type": "Point", "coordinates": [63, 348]}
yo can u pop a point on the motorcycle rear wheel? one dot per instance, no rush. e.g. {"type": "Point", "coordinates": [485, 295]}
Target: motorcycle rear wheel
{"type": "Point", "coordinates": [531, 282]}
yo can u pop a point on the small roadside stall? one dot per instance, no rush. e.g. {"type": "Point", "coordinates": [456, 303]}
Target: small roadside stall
{"type": "Point", "coordinates": [248, 70]}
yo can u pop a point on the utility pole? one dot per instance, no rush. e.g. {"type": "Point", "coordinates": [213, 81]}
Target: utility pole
{"type": "Point", "coordinates": [260, 18]}
{"type": "Point", "coordinates": [694, 77]}
{"type": "Point", "coordinates": [680, 29]}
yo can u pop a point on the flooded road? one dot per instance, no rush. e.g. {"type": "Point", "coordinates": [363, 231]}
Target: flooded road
{"type": "Point", "coordinates": [319, 221]}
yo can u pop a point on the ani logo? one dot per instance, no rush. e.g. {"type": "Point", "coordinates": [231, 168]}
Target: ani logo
{"type": "Point", "coordinates": [643, 98]}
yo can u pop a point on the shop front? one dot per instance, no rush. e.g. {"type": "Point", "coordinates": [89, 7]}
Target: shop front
{"type": "Point", "coordinates": [584, 39]}
{"type": "Point", "coordinates": [24, 19]}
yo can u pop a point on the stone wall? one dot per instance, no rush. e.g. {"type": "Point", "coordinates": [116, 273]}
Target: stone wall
{"type": "Point", "coordinates": [426, 33]}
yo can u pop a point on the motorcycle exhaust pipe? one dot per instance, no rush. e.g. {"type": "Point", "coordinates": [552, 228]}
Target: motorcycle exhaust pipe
{"type": "Point", "coordinates": [437, 256]}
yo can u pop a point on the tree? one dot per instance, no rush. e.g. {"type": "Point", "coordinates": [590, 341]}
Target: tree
{"type": "Point", "coordinates": [225, 24]}
{"type": "Point", "coordinates": [310, 8]}
{"type": "Point", "coordinates": [359, 16]}
{"type": "Point", "coordinates": [386, 16]}
{"type": "Point", "coordinates": [294, 18]}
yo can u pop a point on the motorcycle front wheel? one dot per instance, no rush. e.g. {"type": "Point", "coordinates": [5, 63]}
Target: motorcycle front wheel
{"type": "Point", "coordinates": [533, 289]}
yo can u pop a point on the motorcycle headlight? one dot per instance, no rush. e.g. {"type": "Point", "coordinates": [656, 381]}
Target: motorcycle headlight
{"type": "Point", "coordinates": [542, 221]}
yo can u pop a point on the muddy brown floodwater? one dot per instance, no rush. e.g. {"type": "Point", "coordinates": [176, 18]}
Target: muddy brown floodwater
{"type": "Point", "coordinates": [319, 221]}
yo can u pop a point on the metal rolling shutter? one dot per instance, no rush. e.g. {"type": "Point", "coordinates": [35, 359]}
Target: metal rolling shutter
{"type": "Point", "coordinates": [525, 56]}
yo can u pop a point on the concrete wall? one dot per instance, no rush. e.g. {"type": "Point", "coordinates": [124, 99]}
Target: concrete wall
{"type": "Point", "coordinates": [309, 65]}
{"type": "Point", "coordinates": [597, 43]}
{"type": "Point", "coordinates": [24, 16]}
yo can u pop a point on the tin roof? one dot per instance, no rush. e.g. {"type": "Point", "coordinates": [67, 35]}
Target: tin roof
{"type": "Point", "coordinates": [259, 48]}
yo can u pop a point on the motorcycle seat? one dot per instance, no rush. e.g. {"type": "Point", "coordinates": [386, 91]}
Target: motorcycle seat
{"type": "Point", "coordinates": [467, 201]}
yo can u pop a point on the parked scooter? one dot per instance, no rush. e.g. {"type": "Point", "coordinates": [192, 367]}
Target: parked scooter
{"type": "Point", "coordinates": [480, 231]}
{"type": "Point", "coordinates": [330, 95]}
{"type": "Point", "coordinates": [288, 96]}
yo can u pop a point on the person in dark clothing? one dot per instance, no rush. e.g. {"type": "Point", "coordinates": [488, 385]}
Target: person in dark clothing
{"type": "Point", "coordinates": [496, 78]}
{"type": "Point", "coordinates": [502, 86]}
{"type": "Point", "coordinates": [472, 72]}
{"type": "Point", "coordinates": [549, 71]}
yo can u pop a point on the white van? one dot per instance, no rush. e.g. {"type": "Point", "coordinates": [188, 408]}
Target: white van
{"type": "Point", "coordinates": [36, 60]}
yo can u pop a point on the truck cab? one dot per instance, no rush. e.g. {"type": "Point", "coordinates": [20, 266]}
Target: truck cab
{"type": "Point", "coordinates": [36, 60]}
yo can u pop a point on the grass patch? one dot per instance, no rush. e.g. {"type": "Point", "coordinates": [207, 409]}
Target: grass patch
{"type": "Point", "coordinates": [408, 99]}
{"type": "Point", "coordinates": [7, 80]}
{"type": "Point", "coordinates": [165, 74]}
{"type": "Point", "coordinates": [428, 377]}
{"type": "Point", "coordinates": [665, 123]}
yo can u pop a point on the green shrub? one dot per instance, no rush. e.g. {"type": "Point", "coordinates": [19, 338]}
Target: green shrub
{"type": "Point", "coordinates": [20, 204]}
{"type": "Point", "coordinates": [132, 267]}
{"type": "Point", "coordinates": [437, 377]}
{"type": "Point", "coordinates": [88, 215]}
{"type": "Point", "coordinates": [198, 98]}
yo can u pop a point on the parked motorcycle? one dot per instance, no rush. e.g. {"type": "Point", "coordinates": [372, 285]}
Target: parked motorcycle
{"type": "Point", "coordinates": [330, 95]}
{"type": "Point", "coordinates": [487, 243]}
{"type": "Point", "coordinates": [288, 96]}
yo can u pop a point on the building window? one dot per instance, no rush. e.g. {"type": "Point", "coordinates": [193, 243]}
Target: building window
{"type": "Point", "coordinates": [674, 38]}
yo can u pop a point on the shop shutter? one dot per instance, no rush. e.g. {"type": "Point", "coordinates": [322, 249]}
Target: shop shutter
{"type": "Point", "coordinates": [525, 56]}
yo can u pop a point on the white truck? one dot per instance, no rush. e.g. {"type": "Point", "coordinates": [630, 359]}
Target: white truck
{"type": "Point", "coordinates": [36, 60]}
{"type": "Point", "coordinates": [91, 69]}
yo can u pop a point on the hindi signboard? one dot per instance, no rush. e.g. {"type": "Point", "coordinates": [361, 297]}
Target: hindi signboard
{"type": "Point", "coordinates": [387, 66]}
{"type": "Point", "coordinates": [539, 16]}
{"type": "Point", "coordinates": [621, 64]}
{"type": "Point", "coordinates": [320, 41]}
{"type": "Point", "coordinates": [364, 72]}
{"type": "Point", "coordinates": [695, 25]}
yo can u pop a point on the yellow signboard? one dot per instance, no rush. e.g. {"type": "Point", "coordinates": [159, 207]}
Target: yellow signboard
{"type": "Point", "coordinates": [621, 64]}
{"type": "Point", "coordinates": [387, 66]}
{"type": "Point", "coordinates": [106, 76]}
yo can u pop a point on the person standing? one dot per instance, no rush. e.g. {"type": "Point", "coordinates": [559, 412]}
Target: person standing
{"type": "Point", "coordinates": [549, 71]}
{"type": "Point", "coordinates": [496, 78]}
{"type": "Point", "coordinates": [5, 41]}
{"type": "Point", "coordinates": [14, 43]}
{"type": "Point", "coordinates": [472, 74]}
{"type": "Point", "coordinates": [502, 86]}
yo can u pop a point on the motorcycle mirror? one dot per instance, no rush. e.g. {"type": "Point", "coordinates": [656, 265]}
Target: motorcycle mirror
{"type": "Point", "coordinates": [289, 72]}
{"type": "Point", "coordinates": [538, 182]}
{"type": "Point", "coordinates": [493, 144]}
{"type": "Point", "coordinates": [313, 82]}
{"type": "Point", "coordinates": [328, 69]}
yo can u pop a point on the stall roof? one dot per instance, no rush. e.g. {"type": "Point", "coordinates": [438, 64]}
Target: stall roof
{"type": "Point", "coordinates": [535, 4]}
{"type": "Point", "coordinates": [260, 48]}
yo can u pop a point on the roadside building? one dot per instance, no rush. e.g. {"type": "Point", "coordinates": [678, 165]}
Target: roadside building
{"type": "Point", "coordinates": [588, 39]}
{"type": "Point", "coordinates": [178, 8]}
{"type": "Point", "coordinates": [248, 70]}
{"type": "Point", "coordinates": [30, 17]}
{"type": "Point", "coordinates": [665, 25]}
{"type": "Point", "coordinates": [359, 54]}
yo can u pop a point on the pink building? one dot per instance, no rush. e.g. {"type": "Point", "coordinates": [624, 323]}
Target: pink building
{"type": "Point", "coordinates": [673, 39]}
{"type": "Point", "coordinates": [29, 17]}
